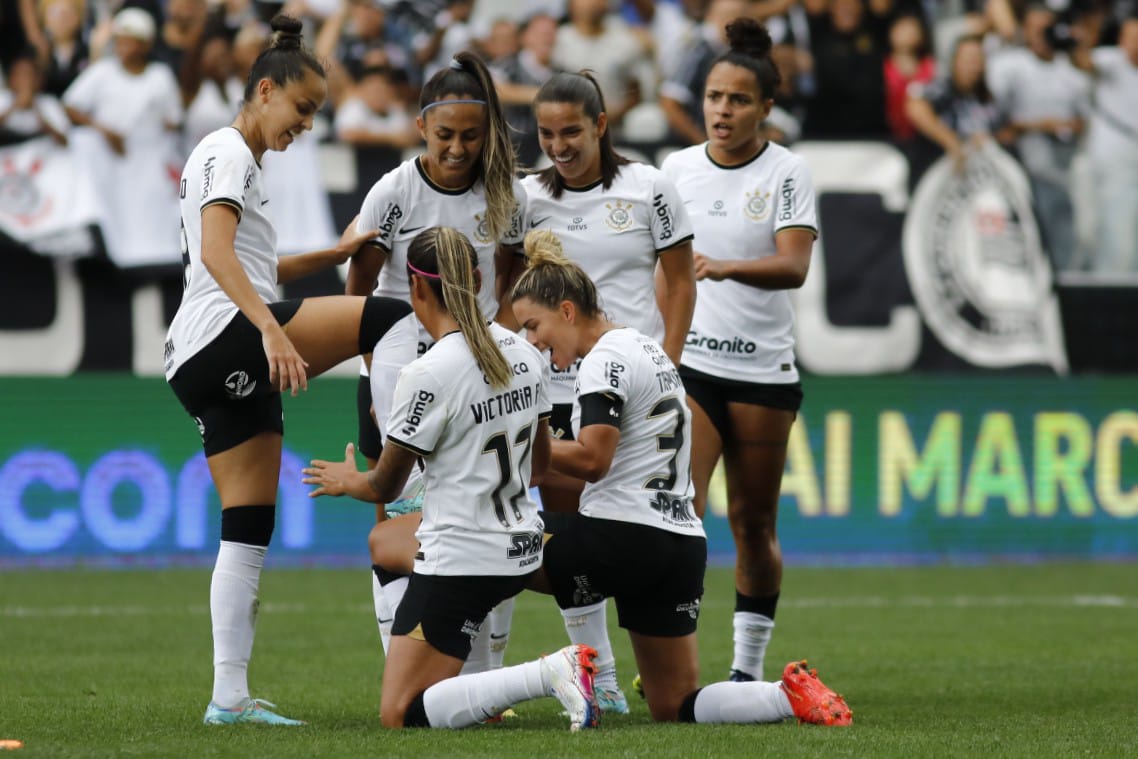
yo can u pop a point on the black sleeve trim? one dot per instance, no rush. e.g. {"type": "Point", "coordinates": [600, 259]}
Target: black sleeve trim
{"type": "Point", "coordinates": [408, 446]}
{"type": "Point", "coordinates": [807, 227]}
{"type": "Point", "coordinates": [232, 202]}
{"type": "Point", "coordinates": [689, 238]}
{"type": "Point", "coordinates": [601, 408]}
{"type": "Point", "coordinates": [546, 416]}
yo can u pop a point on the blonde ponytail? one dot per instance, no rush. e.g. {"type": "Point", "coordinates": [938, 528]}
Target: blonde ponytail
{"type": "Point", "coordinates": [456, 261]}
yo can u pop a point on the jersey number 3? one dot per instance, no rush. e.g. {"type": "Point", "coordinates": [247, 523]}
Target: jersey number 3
{"type": "Point", "coordinates": [509, 470]}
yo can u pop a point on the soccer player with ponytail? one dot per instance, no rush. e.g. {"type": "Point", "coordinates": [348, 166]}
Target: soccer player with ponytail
{"type": "Point", "coordinates": [752, 207]}
{"type": "Point", "coordinates": [465, 180]}
{"type": "Point", "coordinates": [474, 409]}
{"type": "Point", "coordinates": [233, 348]}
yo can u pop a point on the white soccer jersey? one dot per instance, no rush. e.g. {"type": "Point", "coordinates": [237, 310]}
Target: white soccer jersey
{"type": "Point", "coordinates": [405, 201]}
{"type": "Point", "coordinates": [221, 169]}
{"type": "Point", "coordinates": [741, 332]}
{"type": "Point", "coordinates": [615, 236]}
{"type": "Point", "coordinates": [649, 481]}
{"type": "Point", "coordinates": [476, 441]}
{"type": "Point", "coordinates": [406, 341]}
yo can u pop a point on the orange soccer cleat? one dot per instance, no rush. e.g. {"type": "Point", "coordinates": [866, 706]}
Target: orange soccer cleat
{"type": "Point", "coordinates": [811, 700]}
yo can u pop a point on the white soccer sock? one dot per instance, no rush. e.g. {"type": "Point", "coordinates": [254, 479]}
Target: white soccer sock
{"type": "Point", "coordinates": [589, 625]}
{"type": "Point", "coordinates": [479, 658]}
{"type": "Point", "coordinates": [742, 703]}
{"type": "Point", "coordinates": [500, 619]}
{"type": "Point", "coordinates": [383, 614]}
{"type": "Point", "coordinates": [233, 611]}
{"type": "Point", "coordinates": [752, 634]}
{"type": "Point", "coordinates": [467, 699]}
{"type": "Point", "coordinates": [393, 593]}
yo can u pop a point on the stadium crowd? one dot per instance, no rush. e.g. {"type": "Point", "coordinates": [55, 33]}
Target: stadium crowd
{"type": "Point", "coordinates": [1055, 82]}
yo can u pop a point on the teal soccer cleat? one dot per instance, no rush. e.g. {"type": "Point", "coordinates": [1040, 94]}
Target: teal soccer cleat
{"type": "Point", "coordinates": [252, 711]}
{"type": "Point", "coordinates": [612, 700]}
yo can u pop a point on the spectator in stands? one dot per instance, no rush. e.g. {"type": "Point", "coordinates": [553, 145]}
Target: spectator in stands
{"type": "Point", "coordinates": [959, 110]}
{"type": "Point", "coordinates": [783, 125]}
{"type": "Point", "coordinates": [211, 90]}
{"type": "Point", "coordinates": [501, 41]}
{"type": "Point", "coordinates": [373, 115]}
{"type": "Point", "coordinates": [681, 94]}
{"type": "Point", "coordinates": [134, 107]}
{"type": "Point", "coordinates": [19, 28]}
{"type": "Point", "coordinates": [1046, 100]}
{"type": "Point", "coordinates": [518, 78]}
{"type": "Point", "coordinates": [355, 37]}
{"type": "Point", "coordinates": [672, 25]}
{"type": "Point", "coordinates": [66, 52]}
{"type": "Point", "coordinates": [451, 34]}
{"type": "Point", "coordinates": [126, 94]}
{"type": "Point", "coordinates": [848, 45]}
{"type": "Point", "coordinates": [601, 42]}
{"type": "Point", "coordinates": [910, 61]}
{"type": "Point", "coordinates": [180, 32]}
{"type": "Point", "coordinates": [26, 112]}
{"type": "Point", "coordinates": [1112, 147]}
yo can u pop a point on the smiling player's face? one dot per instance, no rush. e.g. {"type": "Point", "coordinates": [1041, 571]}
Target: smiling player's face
{"type": "Point", "coordinates": [455, 134]}
{"type": "Point", "coordinates": [553, 330]}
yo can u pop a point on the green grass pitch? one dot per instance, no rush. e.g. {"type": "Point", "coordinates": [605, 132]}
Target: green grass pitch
{"type": "Point", "coordinates": [1025, 660]}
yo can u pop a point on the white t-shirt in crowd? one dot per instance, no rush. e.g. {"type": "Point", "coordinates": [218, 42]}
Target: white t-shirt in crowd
{"type": "Point", "coordinates": [221, 169]}
{"type": "Point", "coordinates": [137, 106]}
{"type": "Point", "coordinates": [354, 114]}
{"type": "Point", "coordinates": [740, 332]}
{"type": "Point", "coordinates": [1113, 130]}
{"type": "Point", "coordinates": [476, 443]}
{"type": "Point", "coordinates": [649, 481]}
{"type": "Point", "coordinates": [26, 121]}
{"type": "Point", "coordinates": [615, 236]}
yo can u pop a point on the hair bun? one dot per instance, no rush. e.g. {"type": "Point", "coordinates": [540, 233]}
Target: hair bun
{"type": "Point", "coordinates": [746, 35]}
{"type": "Point", "coordinates": [286, 31]}
{"type": "Point", "coordinates": [544, 248]}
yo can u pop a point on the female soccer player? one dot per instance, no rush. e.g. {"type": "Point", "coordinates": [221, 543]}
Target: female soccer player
{"type": "Point", "coordinates": [475, 409]}
{"type": "Point", "coordinates": [752, 208]}
{"type": "Point", "coordinates": [620, 221]}
{"type": "Point", "coordinates": [232, 348]}
{"type": "Point", "coordinates": [633, 447]}
{"type": "Point", "coordinates": [465, 180]}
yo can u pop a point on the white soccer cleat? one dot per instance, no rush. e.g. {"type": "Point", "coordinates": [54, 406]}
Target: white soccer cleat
{"type": "Point", "coordinates": [570, 672]}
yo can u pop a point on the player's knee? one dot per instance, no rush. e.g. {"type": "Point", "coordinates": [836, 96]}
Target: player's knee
{"type": "Point", "coordinates": [377, 317]}
{"type": "Point", "coordinates": [751, 520]}
{"type": "Point", "coordinates": [251, 525]}
{"type": "Point", "coordinates": [404, 710]}
{"type": "Point", "coordinates": [373, 541]}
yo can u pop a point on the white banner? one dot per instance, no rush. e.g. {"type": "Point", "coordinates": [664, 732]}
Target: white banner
{"type": "Point", "coordinates": [47, 199]}
{"type": "Point", "coordinates": [976, 266]}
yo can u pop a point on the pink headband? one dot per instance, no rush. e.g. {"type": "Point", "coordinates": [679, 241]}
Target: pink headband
{"type": "Point", "coordinates": [422, 273]}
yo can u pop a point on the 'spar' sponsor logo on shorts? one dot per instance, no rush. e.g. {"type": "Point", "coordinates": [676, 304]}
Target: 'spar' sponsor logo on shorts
{"type": "Point", "coordinates": [692, 609]}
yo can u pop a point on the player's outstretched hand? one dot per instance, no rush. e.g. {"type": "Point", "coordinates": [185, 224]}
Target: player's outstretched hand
{"type": "Point", "coordinates": [708, 268]}
{"type": "Point", "coordinates": [337, 477]}
{"type": "Point", "coordinates": [351, 240]}
{"type": "Point", "coordinates": [286, 366]}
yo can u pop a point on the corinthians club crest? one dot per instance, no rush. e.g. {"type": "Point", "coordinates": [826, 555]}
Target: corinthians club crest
{"type": "Point", "coordinates": [976, 266]}
{"type": "Point", "coordinates": [620, 216]}
{"type": "Point", "coordinates": [482, 231]}
{"type": "Point", "coordinates": [758, 205]}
